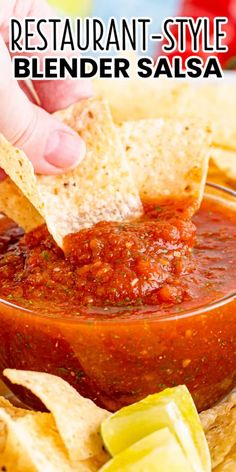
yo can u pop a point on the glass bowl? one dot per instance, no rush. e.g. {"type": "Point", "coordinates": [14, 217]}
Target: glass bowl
{"type": "Point", "coordinates": [116, 362]}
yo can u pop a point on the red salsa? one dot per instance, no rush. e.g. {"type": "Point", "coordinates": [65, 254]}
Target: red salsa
{"type": "Point", "coordinates": [123, 313]}
{"type": "Point", "coordinates": [156, 261]}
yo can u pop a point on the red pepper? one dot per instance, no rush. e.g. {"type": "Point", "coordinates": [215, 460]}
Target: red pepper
{"type": "Point", "coordinates": [211, 9]}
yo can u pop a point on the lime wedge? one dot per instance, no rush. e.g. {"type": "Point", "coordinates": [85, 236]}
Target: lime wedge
{"type": "Point", "coordinates": [173, 409]}
{"type": "Point", "coordinates": [158, 452]}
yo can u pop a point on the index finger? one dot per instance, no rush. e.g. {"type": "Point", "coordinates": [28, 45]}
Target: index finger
{"type": "Point", "coordinates": [56, 94]}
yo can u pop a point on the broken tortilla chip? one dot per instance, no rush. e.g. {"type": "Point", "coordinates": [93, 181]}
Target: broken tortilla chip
{"type": "Point", "coordinates": [224, 161]}
{"type": "Point", "coordinates": [219, 424]}
{"type": "Point", "coordinates": [78, 419]}
{"type": "Point", "coordinates": [32, 442]}
{"type": "Point", "coordinates": [100, 188]}
{"type": "Point", "coordinates": [168, 157]}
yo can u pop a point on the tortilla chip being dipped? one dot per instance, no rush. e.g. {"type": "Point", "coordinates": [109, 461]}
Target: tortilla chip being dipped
{"type": "Point", "coordinates": [17, 207]}
{"type": "Point", "coordinates": [168, 157]}
{"type": "Point", "coordinates": [100, 188]}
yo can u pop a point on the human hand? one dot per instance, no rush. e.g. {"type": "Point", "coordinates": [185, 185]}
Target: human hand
{"type": "Point", "coordinates": [52, 147]}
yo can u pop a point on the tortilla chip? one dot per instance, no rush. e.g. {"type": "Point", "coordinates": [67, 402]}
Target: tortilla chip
{"type": "Point", "coordinates": [34, 441]}
{"type": "Point", "coordinates": [135, 99]}
{"type": "Point", "coordinates": [100, 188]}
{"type": "Point", "coordinates": [215, 103]}
{"type": "Point", "coordinates": [229, 464]}
{"type": "Point", "coordinates": [167, 157]}
{"type": "Point", "coordinates": [78, 419]}
{"type": "Point", "coordinates": [16, 206]}
{"type": "Point", "coordinates": [219, 424]}
{"type": "Point", "coordinates": [4, 403]}
{"type": "Point", "coordinates": [224, 160]}
{"type": "Point", "coordinates": [3, 431]}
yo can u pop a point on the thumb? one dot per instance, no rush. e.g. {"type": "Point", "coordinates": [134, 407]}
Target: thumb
{"type": "Point", "coordinates": [52, 147]}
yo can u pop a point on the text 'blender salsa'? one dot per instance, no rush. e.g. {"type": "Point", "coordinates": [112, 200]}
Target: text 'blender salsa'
{"type": "Point", "coordinates": [161, 260]}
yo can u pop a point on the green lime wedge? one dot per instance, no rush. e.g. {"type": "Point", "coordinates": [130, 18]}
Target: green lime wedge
{"type": "Point", "coordinates": [173, 409]}
{"type": "Point", "coordinates": [158, 452]}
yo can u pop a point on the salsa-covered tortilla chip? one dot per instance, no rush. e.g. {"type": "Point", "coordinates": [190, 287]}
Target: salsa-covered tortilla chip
{"type": "Point", "coordinates": [219, 424]}
{"type": "Point", "coordinates": [168, 157]}
{"type": "Point", "coordinates": [78, 419]}
{"type": "Point", "coordinates": [100, 188]}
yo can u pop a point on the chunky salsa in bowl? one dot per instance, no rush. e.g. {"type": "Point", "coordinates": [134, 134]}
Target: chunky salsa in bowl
{"type": "Point", "coordinates": [130, 308]}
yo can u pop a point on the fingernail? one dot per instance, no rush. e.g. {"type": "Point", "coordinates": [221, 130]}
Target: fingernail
{"type": "Point", "coordinates": [64, 149]}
